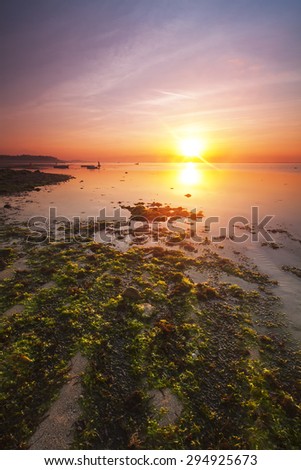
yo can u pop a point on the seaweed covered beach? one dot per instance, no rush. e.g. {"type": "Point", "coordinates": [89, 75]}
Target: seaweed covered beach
{"type": "Point", "coordinates": [153, 347]}
{"type": "Point", "coordinates": [150, 233]}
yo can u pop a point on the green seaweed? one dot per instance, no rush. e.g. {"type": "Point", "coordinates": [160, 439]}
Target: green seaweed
{"type": "Point", "coordinates": [196, 341]}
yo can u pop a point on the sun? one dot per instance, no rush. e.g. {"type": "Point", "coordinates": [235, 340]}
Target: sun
{"type": "Point", "coordinates": [192, 147]}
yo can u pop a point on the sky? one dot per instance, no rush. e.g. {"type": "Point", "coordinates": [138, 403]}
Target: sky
{"type": "Point", "coordinates": [130, 80]}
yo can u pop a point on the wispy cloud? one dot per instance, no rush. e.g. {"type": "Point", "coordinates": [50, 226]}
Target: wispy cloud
{"type": "Point", "coordinates": [136, 66]}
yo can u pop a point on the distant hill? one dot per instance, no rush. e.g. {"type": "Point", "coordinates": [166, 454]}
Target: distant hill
{"type": "Point", "coordinates": [21, 160]}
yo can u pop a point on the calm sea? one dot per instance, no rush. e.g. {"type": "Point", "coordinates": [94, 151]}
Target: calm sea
{"type": "Point", "coordinates": [221, 190]}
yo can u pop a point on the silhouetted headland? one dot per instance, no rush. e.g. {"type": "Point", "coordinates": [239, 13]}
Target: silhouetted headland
{"type": "Point", "coordinates": [17, 181]}
{"type": "Point", "coordinates": [10, 161]}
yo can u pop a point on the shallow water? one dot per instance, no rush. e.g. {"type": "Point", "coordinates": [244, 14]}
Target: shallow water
{"type": "Point", "coordinates": [224, 191]}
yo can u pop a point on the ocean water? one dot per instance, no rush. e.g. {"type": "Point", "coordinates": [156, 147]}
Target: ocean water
{"type": "Point", "coordinates": [224, 191]}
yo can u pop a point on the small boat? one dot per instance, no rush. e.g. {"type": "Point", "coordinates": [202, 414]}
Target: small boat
{"type": "Point", "coordinates": [60, 166]}
{"type": "Point", "coordinates": [93, 167]}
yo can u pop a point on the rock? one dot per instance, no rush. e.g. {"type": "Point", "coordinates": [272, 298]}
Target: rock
{"type": "Point", "coordinates": [131, 293]}
{"type": "Point", "coordinates": [167, 400]}
{"type": "Point", "coordinates": [148, 310]}
{"type": "Point", "coordinates": [48, 285]}
{"type": "Point", "coordinates": [19, 265]}
{"type": "Point", "coordinates": [254, 354]}
{"type": "Point", "coordinates": [19, 308]}
{"type": "Point", "coordinates": [190, 248]}
{"type": "Point", "coordinates": [139, 239]}
{"type": "Point", "coordinates": [188, 195]}
{"type": "Point", "coordinates": [174, 239]}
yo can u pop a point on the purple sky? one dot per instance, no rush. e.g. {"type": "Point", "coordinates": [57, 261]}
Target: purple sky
{"type": "Point", "coordinates": [130, 79]}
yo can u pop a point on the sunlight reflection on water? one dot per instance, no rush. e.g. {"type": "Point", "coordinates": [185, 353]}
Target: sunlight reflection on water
{"type": "Point", "coordinates": [223, 190]}
{"type": "Point", "coordinates": [190, 174]}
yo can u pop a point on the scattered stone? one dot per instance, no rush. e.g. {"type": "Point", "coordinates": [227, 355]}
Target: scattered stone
{"type": "Point", "coordinates": [165, 399]}
{"type": "Point", "coordinates": [174, 239]}
{"type": "Point", "coordinates": [13, 310]}
{"type": "Point", "coordinates": [48, 285]}
{"type": "Point", "coordinates": [273, 245]}
{"type": "Point", "coordinates": [131, 293]}
{"type": "Point", "coordinates": [254, 354]}
{"type": "Point", "coordinates": [148, 310]}
{"type": "Point", "coordinates": [187, 195]}
{"type": "Point", "coordinates": [293, 270]}
{"type": "Point", "coordinates": [190, 248]}
{"type": "Point", "coordinates": [19, 265]}
{"type": "Point", "coordinates": [140, 239]}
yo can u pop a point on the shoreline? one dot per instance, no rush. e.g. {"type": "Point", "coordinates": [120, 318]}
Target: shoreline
{"type": "Point", "coordinates": [173, 340]}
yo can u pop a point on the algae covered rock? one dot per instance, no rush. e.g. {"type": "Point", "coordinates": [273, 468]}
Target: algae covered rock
{"type": "Point", "coordinates": [131, 293]}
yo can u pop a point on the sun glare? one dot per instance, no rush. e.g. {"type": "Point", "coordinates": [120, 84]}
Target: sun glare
{"type": "Point", "coordinates": [190, 175]}
{"type": "Point", "coordinates": [191, 147]}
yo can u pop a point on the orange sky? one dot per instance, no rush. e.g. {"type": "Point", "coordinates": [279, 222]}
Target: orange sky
{"type": "Point", "coordinates": [127, 81]}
